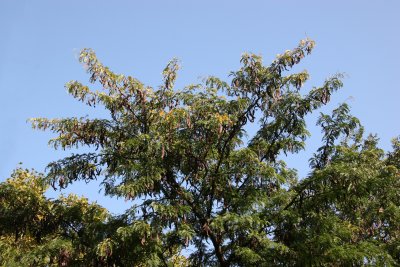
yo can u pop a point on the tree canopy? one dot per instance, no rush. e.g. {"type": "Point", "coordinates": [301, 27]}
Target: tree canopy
{"type": "Point", "coordinates": [204, 194]}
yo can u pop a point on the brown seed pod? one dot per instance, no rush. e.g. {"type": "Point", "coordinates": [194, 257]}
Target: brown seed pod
{"type": "Point", "coordinates": [188, 122]}
{"type": "Point", "coordinates": [220, 129]}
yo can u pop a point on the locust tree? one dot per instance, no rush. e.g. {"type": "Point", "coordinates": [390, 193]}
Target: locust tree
{"type": "Point", "coordinates": [204, 195]}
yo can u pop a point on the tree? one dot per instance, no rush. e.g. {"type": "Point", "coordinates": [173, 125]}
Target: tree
{"type": "Point", "coordinates": [181, 155]}
{"type": "Point", "coordinates": [346, 212]}
{"type": "Point", "coordinates": [36, 231]}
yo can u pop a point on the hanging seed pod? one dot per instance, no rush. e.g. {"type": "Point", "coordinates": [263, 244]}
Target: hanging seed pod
{"type": "Point", "coordinates": [277, 94]}
{"type": "Point", "coordinates": [325, 97]}
{"type": "Point", "coordinates": [61, 182]}
{"type": "Point", "coordinates": [237, 83]}
{"type": "Point", "coordinates": [220, 129]}
{"type": "Point", "coordinates": [188, 122]}
{"type": "Point", "coordinates": [206, 229]}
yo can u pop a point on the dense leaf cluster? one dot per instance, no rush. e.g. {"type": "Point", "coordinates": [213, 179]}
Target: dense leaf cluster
{"type": "Point", "coordinates": [204, 196]}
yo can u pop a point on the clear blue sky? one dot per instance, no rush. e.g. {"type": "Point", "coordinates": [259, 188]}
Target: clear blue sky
{"type": "Point", "coordinates": [40, 41]}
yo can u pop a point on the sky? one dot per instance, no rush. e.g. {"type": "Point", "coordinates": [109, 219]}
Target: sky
{"type": "Point", "coordinates": [40, 41]}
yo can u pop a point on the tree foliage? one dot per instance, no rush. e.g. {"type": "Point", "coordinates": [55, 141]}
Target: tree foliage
{"type": "Point", "coordinates": [203, 194]}
{"type": "Point", "coordinates": [36, 231]}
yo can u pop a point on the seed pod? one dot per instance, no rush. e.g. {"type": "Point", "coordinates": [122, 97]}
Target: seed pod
{"type": "Point", "coordinates": [220, 129]}
{"type": "Point", "coordinates": [188, 122]}
{"type": "Point", "coordinates": [61, 182]}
